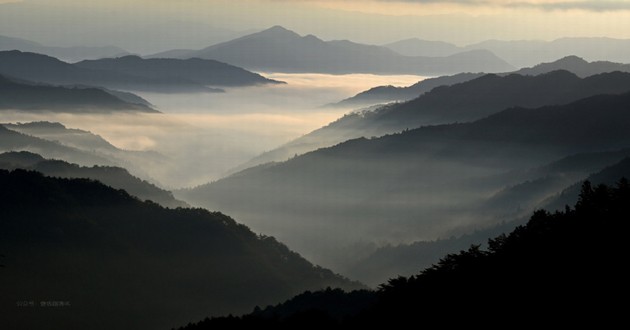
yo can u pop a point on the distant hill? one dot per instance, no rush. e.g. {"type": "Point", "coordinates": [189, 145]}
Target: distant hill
{"type": "Point", "coordinates": [122, 263]}
{"type": "Point", "coordinates": [463, 102]}
{"type": "Point", "coordinates": [70, 54]}
{"type": "Point", "coordinates": [280, 50]}
{"type": "Point", "coordinates": [576, 65]}
{"type": "Point", "coordinates": [19, 95]}
{"type": "Point", "coordinates": [540, 261]}
{"type": "Point", "coordinates": [42, 68]}
{"type": "Point", "coordinates": [419, 47]}
{"type": "Point", "coordinates": [114, 177]}
{"type": "Point", "coordinates": [204, 72]}
{"type": "Point", "coordinates": [415, 185]}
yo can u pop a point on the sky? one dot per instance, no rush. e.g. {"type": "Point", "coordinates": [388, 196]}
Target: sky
{"type": "Point", "coordinates": [146, 26]}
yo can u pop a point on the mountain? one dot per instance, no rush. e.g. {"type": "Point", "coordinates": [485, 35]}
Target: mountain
{"type": "Point", "coordinates": [525, 53]}
{"type": "Point", "coordinates": [19, 95]}
{"type": "Point", "coordinates": [204, 72]}
{"type": "Point", "coordinates": [384, 94]}
{"type": "Point", "coordinates": [419, 184]}
{"type": "Point", "coordinates": [115, 177]}
{"type": "Point", "coordinates": [46, 69]}
{"type": "Point", "coordinates": [116, 262]}
{"type": "Point", "coordinates": [461, 102]}
{"type": "Point", "coordinates": [530, 271]}
{"type": "Point", "coordinates": [419, 47]}
{"type": "Point", "coordinates": [70, 54]}
{"type": "Point", "coordinates": [280, 50]}
{"type": "Point", "coordinates": [576, 65]}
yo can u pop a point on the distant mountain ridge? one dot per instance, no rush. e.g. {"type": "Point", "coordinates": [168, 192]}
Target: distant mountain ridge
{"type": "Point", "coordinates": [280, 50]}
{"type": "Point", "coordinates": [71, 54]}
{"type": "Point", "coordinates": [168, 76]}
{"type": "Point", "coordinates": [20, 95]}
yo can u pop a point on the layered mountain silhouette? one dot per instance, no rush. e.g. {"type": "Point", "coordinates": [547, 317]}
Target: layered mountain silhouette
{"type": "Point", "coordinates": [145, 75]}
{"type": "Point", "coordinates": [384, 94]}
{"type": "Point", "coordinates": [70, 54]}
{"type": "Point", "coordinates": [22, 95]}
{"type": "Point", "coordinates": [280, 50]}
{"type": "Point", "coordinates": [419, 47]}
{"type": "Point", "coordinates": [414, 185]}
{"type": "Point", "coordinates": [537, 263]}
{"type": "Point", "coordinates": [119, 262]}
{"type": "Point", "coordinates": [115, 177]}
{"type": "Point", "coordinates": [461, 102]}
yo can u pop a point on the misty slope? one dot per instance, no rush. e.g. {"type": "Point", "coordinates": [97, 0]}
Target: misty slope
{"type": "Point", "coordinates": [46, 69]}
{"type": "Point", "coordinates": [461, 102]}
{"type": "Point", "coordinates": [19, 95]}
{"type": "Point", "coordinates": [114, 177]}
{"type": "Point", "coordinates": [415, 185]}
{"type": "Point", "coordinates": [280, 50]}
{"type": "Point", "coordinates": [383, 94]}
{"type": "Point", "coordinates": [94, 150]}
{"type": "Point", "coordinates": [573, 64]}
{"type": "Point", "coordinates": [570, 259]}
{"type": "Point", "coordinates": [71, 54]}
{"type": "Point", "coordinates": [11, 140]}
{"type": "Point", "coordinates": [204, 72]}
{"type": "Point", "coordinates": [126, 264]}
{"type": "Point", "coordinates": [542, 187]}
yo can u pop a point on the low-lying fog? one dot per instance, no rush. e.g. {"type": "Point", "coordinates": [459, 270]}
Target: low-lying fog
{"type": "Point", "coordinates": [205, 135]}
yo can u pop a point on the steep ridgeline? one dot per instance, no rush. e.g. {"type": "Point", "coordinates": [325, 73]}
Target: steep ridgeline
{"type": "Point", "coordinates": [416, 185]}
{"type": "Point", "coordinates": [22, 95]}
{"type": "Point", "coordinates": [570, 259]}
{"type": "Point", "coordinates": [280, 50]}
{"type": "Point", "coordinates": [114, 177]}
{"type": "Point", "coordinates": [384, 94]}
{"type": "Point", "coordinates": [128, 73]}
{"type": "Point", "coordinates": [462, 102]}
{"type": "Point", "coordinates": [126, 264]}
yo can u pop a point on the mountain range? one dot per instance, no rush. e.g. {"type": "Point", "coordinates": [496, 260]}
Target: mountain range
{"type": "Point", "coordinates": [280, 50]}
{"type": "Point", "coordinates": [415, 185]}
{"type": "Point", "coordinates": [462, 102]}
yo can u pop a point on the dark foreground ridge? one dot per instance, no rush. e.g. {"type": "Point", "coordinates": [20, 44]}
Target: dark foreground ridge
{"type": "Point", "coordinates": [566, 266]}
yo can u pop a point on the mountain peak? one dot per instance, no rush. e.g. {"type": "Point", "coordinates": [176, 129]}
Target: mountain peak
{"type": "Point", "coordinates": [278, 31]}
{"type": "Point", "coordinates": [572, 59]}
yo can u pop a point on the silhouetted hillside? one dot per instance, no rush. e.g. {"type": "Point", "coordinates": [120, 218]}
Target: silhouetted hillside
{"type": "Point", "coordinates": [280, 50]}
{"type": "Point", "coordinates": [420, 184]}
{"type": "Point", "coordinates": [122, 263]}
{"type": "Point", "coordinates": [46, 69]}
{"type": "Point", "coordinates": [419, 47]}
{"type": "Point", "coordinates": [17, 95]}
{"type": "Point", "coordinates": [204, 72]}
{"type": "Point", "coordinates": [554, 268]}
{"type": "Point", "coordinates": [71, 54]}
{"type": "Point", "coordinates": [114, 177]}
